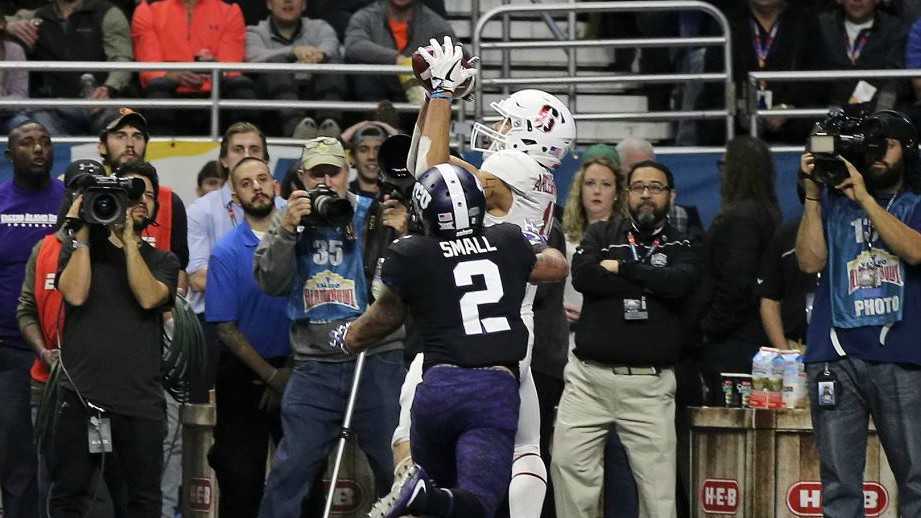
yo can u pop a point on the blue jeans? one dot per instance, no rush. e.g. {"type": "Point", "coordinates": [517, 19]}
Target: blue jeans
{"type": "Point", "coordinates": [891, 394]}
{"type": "Point", "coordinates": [312, 412]}
{"type": "Point", "coordinates": [18, 460]}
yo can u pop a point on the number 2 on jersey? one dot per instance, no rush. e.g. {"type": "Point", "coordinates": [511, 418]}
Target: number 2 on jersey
{"type": "Point", "coordinates": [469, 304]}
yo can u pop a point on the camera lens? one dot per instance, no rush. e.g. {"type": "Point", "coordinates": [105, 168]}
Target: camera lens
{"type": "Point", "coordinates": [105, 207]}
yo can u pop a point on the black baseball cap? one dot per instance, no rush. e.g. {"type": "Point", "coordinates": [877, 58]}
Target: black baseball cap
{"type": "Point", "coordinates": [369, 131]}
{"type": "Point", "coordinates": [125, 117]}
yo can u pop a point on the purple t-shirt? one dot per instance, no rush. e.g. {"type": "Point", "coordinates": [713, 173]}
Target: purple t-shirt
{"type": "Point", "coordinates": [25, 217]}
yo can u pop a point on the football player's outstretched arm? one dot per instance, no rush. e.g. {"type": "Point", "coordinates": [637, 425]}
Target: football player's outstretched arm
{"type": "Point", "coordinates": [382, 318]}
{"type": "Point", "coordinates": [551, 266]}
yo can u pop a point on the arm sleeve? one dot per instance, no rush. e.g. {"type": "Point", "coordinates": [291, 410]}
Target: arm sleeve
{"type": "Point", "coordinates": [166, 270]}
{"type": "Point", "coordinates": [733, 296]}
{"type": "Point", "coordinates": [257, 51]}
{"type": "Point", "coordinates": [358, 45]}
{"type": "Point", "coordinates": [673, 281]}
{"type": "Point", "coordinates": [220, 302]}
{"type": "Point", "coordinates": [199, 245]}
{"type": "Point", "coordinates": [233, 39]}
{"type": "Point", "coordinates": [179, 244]}
{"type": "Point", "coordinates": [588, 276]}
{"type": "Point", "coordinates": [770, 273]}
{"type": "Point", "coordinates": [16, 84]}
{"type": "Point", "coordinates": [329, 42]}
{"type": "Point", "coordinates": [116, 42]}
{"type": "Point", "coordinates": [274, 263]}
{"type": "Point", "coordinates": [27, 308]}
{"type": "Point", "coordinates": [393, 271]}
{"type": "Point", "coordinates": [146, 41]}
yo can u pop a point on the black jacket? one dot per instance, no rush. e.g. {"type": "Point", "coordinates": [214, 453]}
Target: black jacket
{"type": "Point", "coordinates": [665, 278]}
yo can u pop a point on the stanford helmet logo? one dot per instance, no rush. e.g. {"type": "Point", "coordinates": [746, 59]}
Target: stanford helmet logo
{"type": "Point", "coordinates": [546, 118]}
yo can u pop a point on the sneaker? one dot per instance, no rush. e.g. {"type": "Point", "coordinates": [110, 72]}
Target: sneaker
{"type": "Point", "coordinates": [329, 128]}
{"type": "Point", "coordinates": [386, 113]}
{"type": "Point", "coordinates": [305, 130]}
{"type": "Point", "coordinates": [409, 487]}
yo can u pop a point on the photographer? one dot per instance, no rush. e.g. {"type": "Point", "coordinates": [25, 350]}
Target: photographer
{"type": "Point", "coordinates": [115, 288]}
{"type": "Point", "coordinates": [862, 233]}
{"type": "Point", "coordinates": [317, 255]}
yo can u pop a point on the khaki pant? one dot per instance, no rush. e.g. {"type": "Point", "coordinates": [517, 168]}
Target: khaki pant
{"type": "Point", "coordinates": [641, 410]}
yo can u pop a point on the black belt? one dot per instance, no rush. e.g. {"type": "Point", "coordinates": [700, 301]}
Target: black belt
{"type": "Point", "coordinates": [628, 370]}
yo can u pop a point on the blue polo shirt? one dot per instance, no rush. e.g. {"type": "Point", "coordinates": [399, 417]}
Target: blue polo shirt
{"type": "Point", "coordinates": [233, 296]}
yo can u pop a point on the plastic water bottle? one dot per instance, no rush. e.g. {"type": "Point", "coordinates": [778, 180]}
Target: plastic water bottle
{"type": "Point", "coordinates": [87, 85]}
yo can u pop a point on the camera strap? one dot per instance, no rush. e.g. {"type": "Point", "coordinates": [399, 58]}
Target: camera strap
{"type": "Point", "coordinates": [763, 46]}
{"type": "Point", "coordinates": [869, 233]}
{"type": "Point", "coordinates": [856, 49]}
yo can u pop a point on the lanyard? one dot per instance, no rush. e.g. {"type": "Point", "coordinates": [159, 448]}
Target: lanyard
{"type": "Point", "coordinates": [232, 214]}
{"type": "Point", "coordinates": [853, 52]}
{"type": "Point", "coordinates": [868, 231]}
{"type": "Point", "coordinates": [763, 49]}
{"type": "Point", "coordinates": [631, 240]}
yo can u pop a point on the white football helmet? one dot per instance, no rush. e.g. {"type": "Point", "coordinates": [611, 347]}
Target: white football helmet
{"type": "Point", "coordinates": [534, 122]}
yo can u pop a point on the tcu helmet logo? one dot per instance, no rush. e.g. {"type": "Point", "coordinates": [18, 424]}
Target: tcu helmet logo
{"type": "Point", "coordinates": [546, 118]}
{"type": "Point", "coordinates": [422, 196]}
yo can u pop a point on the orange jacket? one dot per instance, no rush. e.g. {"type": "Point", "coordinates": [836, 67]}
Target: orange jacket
{"type": "Point", "coordinates": [163, 31]}
{"type": "Point", "coordinates": [48, 300]}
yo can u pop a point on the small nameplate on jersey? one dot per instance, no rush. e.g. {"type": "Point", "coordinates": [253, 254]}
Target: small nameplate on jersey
{"type": "Point", "coordinates": [99, 435]}
{"type": "Point", "coordinates": [466, 246]}
{"type": "Point", "coordinates": [635, 309]}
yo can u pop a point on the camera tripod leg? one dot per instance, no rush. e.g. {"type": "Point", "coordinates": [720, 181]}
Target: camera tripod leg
{"type": "Point", "coordinates": [345, 435]}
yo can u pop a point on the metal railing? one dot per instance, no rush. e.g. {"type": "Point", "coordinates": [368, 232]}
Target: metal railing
{"type": "Point", "coordinates": [501, 13]}
{"type": "Point", "coordinates": [213, 103]}
{"type": "Point", "coordinates": [802, 76]}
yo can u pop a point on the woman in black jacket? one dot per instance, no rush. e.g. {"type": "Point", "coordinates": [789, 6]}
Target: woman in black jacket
{"type": "Point", "coordinates": [733, 246]}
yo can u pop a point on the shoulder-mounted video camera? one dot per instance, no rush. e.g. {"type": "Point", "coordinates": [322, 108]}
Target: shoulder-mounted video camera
{"type": "Point", "coordinates": [106, 198]}
{"type": "Point", "coordinates": [855, 135]}
{"type": "Point", "coordinates": [328, 209]}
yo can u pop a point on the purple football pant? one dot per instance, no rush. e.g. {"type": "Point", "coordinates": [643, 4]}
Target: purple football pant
{"type": "Point", "coordinates": [463, 430]}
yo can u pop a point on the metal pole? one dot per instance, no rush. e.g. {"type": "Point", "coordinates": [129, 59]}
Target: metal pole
{"type": "Point", "coordinates": [215, 98]}
{"type": "Point", "coordinates": [199, 490]}
{"type": "Point", "coordinates": [345, 435]}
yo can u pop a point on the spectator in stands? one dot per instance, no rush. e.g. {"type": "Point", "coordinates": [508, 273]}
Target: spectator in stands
{"type": "Point", "coordinates": [75, 30]}
{"type": "Point", "coordinates": [734, 245]}
{"type": "Point", "coordinates": [767, 35]}
{"type": "Point", "coordinates": [684, 217]}
{"type": "Point", "coordinates": [326, 289]}
{"type": "Point", "coordinates": [387, 32]}
{"type": "Point", "coordinates": [211, 217]}
{"type": "Point", "coordinates": [15, 84]}
{"type": "Point", "coordinates": [209, 178]}
{"type": "Point", "coordinates": [859, 37]}
{"type": "Point", "coordinates": [913, 61]}
{"type": "Point", "coordinates": [786, 291]}
{"type": "Point", "coordinates": [338, 13]}
{"type": "Point", "coordinates": [636, 273]}
{"type": "Point", "coordinates": [187, 31]}
{"type": "Point", "coordinates": [29, 203]}
{"type": "Point", "coordinates": [253, 328]}
{"type": "Point", "coordinates": [596, 194]}
{"type": "Point", "coordinates": [364, 144]}
{"type": "Point", "coordinates": [127, 277]}
{"type": "Point", "coordinates": [287, 37]}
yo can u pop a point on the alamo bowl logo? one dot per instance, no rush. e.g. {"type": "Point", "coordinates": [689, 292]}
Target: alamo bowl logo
{"type": "Point", "coordinates": [871, 270]}
{"type": "Point", "coordinates": [327, 287]}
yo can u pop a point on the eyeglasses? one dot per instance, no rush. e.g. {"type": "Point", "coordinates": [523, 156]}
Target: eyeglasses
{"type": "Point", "coordinates": [653, 188]}
{"type": "Point", "coordinates": [315, 143]}
{"type": "Point", "coordinates": [320, 174]}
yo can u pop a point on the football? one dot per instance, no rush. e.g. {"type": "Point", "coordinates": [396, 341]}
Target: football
{"type": "Point", "coordinates": [424, 74]}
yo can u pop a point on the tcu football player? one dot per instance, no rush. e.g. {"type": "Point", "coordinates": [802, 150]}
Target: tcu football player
{"type": "Point", "coordinates": [465, 413]}
{"type": "Point", "coordinates": [520, 154]}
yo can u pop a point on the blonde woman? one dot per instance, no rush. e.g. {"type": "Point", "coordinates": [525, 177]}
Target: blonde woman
{"type": "Point", "coordinates": [596, 194]}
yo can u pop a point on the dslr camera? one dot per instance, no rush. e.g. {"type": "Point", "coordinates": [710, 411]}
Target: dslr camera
{"type": "Point", "coordinates": [328, 209]}
{"type": "Point", "coordinates": [106, 198]}
{"type": "Point", "coordinates": [856, 136]}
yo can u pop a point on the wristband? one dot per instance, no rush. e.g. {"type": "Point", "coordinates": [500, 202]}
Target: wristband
{"type": "Point", "coordinates": [440, 95]}
{"type": "Point", "coordinates": [813, 199]}
{"type": "Point", "coordinates": [79, 244]}
{"type": "Point", "coordinates": [269, 381]}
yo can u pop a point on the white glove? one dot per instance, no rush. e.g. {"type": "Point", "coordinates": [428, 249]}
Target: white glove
{"type": "Point", "coordinates": [445, 65]}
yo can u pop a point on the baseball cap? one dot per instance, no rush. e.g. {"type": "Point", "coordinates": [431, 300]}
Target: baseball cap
{"type": "Point", "coordinates": [369, 131]}
{"type": "Point", "coordinates": [322, 150]}
{"type": "Point", "coordinates": [79, 168]}
{"type": "Point", "coordinates": [126, 116]}
{"type": "Point", "coordinates": [601, 151]}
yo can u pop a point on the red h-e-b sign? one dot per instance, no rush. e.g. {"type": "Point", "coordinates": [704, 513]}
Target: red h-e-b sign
{"type": "Point", "coordinates": [200, 495]}
{"type": "Point", "coordinates": [720, 496]}
{"type": "Point", "coordinates": [805, 498]}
